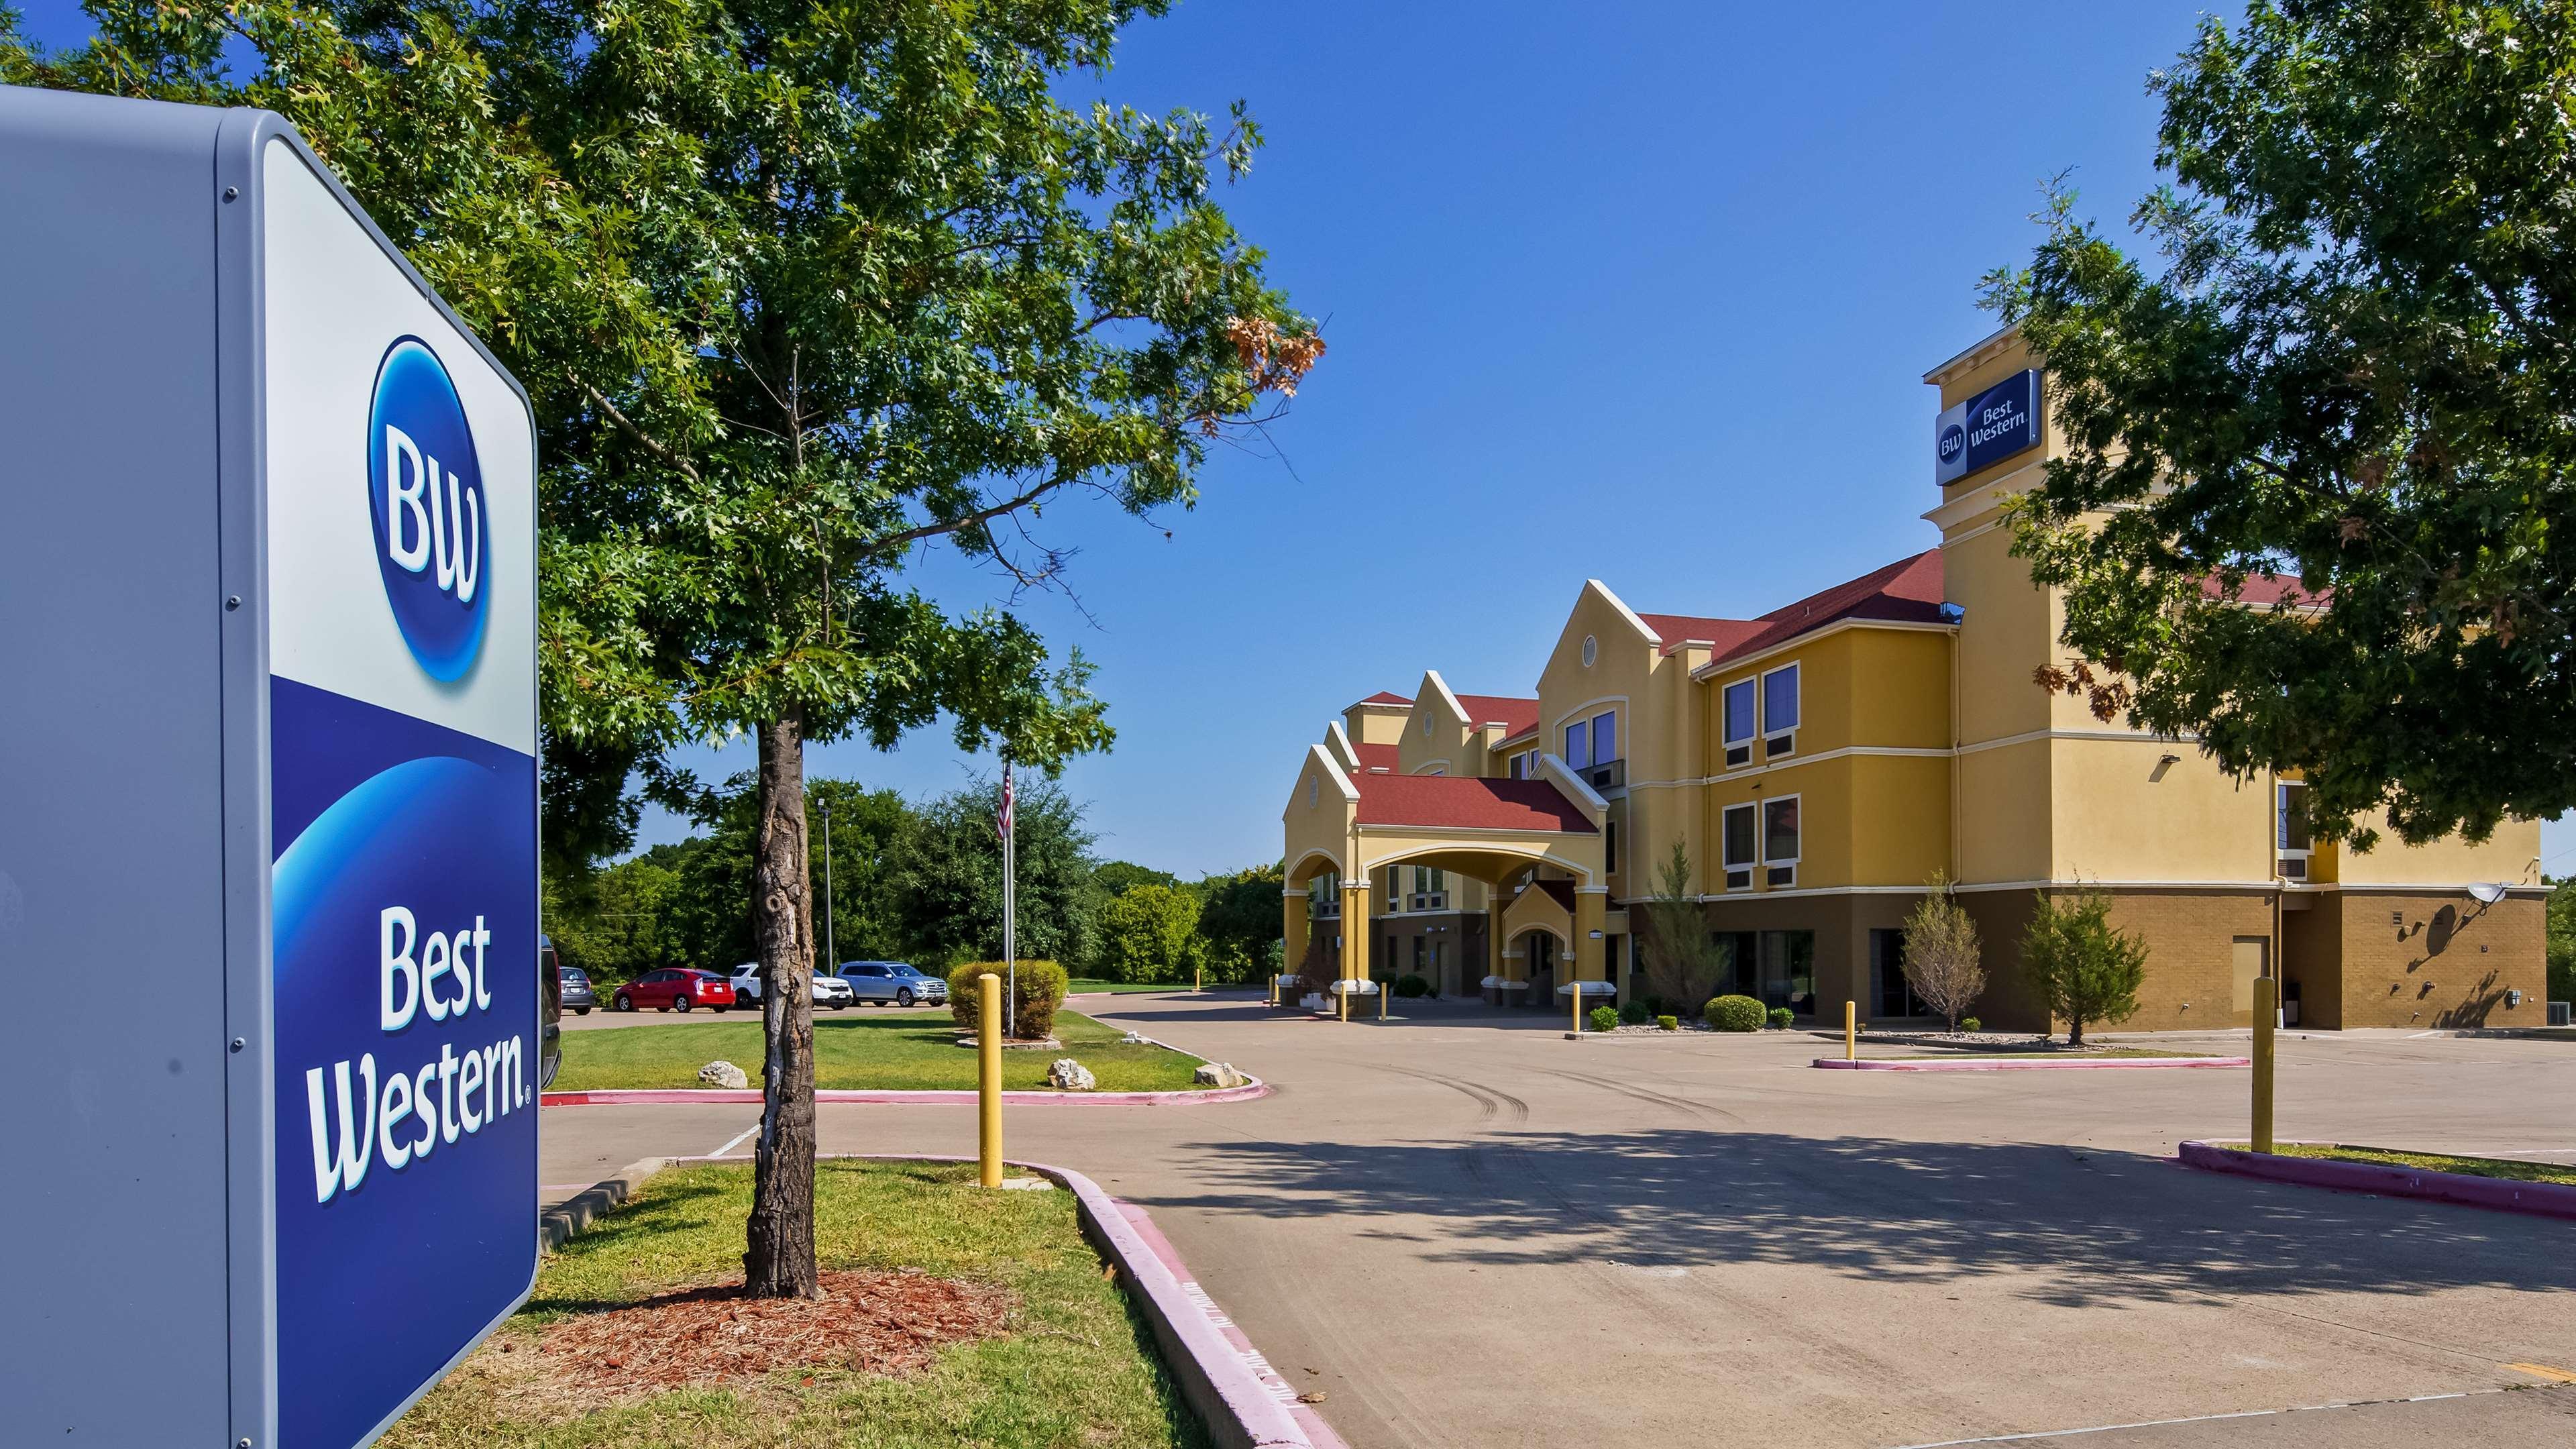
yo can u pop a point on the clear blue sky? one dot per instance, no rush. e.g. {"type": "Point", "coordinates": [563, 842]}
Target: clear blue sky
{"type": "Point", "coordinates": [1642, 292]}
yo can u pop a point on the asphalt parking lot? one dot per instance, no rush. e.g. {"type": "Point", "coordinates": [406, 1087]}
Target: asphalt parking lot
{"type": "Point", "coordinates": [1465, 1230]}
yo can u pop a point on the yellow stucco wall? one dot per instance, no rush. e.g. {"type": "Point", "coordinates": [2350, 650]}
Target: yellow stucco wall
{"type": "Point", "coordinates": [2112, 817]}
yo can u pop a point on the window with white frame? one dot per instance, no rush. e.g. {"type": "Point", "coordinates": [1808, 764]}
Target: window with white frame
{"type": "Point", "coordinates": [1738, 850]}
{"type": "Point", "coordinates": [2290, 829]}
{"type": "Point", "coordinates": [1780, 840]}
{"type": "Point", "coordinates": [1520, 766]}
{"type": "Point", "coordinates": [1430, 889]}
{"type": "Point", "coordinates": [1736, 706]}
{"type": "Point", "coordinates": [1780, 711]}
{"type": "Point", "coordinates": [1395, 887]}
{"type": "Point", "coordinates": [1578, 740]}
{"type": "Point", "coordinates": [1605, 737]}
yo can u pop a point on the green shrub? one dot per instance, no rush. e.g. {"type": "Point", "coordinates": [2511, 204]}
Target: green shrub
{"type": "Point", "coordinates": [1041, 991]}
{"type": "Point", "coordinates": [1970, 1023]}
{"type": "Point", "coordinates": [1780, 1018]}
{"type": "Point", "coordinates": [1634, 1013]}
{"type": "Point", "coordinates": [1669, 1023]}
{"type": "Point", "coordinates": [1410, 985]}
{"type": "Point", "coordinates": [1733, 1013]}
{"type": "Point", "coordinates": [1604, 1019]}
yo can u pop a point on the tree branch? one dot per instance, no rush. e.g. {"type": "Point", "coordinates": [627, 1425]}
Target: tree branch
{"type": "Point", "coordinates": [627, 426]}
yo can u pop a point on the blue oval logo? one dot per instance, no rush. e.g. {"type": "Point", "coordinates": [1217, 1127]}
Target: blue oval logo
{"type": "Point", "coordinates": [1954, 439]}
{"type": "Point", "coordinates": [425, 488]}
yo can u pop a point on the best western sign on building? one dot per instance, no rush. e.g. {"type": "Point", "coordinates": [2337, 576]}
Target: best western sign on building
{"type": "Point", "coordinates": [272, 543]}
{"type": "Point", "coordinates": [1993, 425]}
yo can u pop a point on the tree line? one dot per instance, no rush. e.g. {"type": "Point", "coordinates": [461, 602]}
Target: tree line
{"type": "Point", "coordinates": [919, 882]}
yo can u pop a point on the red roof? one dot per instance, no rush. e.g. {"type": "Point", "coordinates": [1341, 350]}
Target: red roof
{"type": "Point", "coordinates": [1468, 802]}
{"type": "Point", "coordinates": [1906, 591]}
{"type": "Point", "coordinates": [1384, 696]}
{"type": "Point", "coordinates": [2276, 589]}
{"type": "Point", "coordinates": [1375, 757]}
{"type": "Point", "coordinates": [1516, 716]}
{"type": "Point", "coordinates": [1679, 629]}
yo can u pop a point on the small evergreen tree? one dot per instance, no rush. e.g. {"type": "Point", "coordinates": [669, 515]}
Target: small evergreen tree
{"type": "Point", "coordinates": [1944, 961]}
{"type": "Point", "coordinates": [1681, 960]}
{"type": "Point", "coordinates": [2082, 966]}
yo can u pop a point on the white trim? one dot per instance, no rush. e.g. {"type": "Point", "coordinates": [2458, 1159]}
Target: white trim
{"type": "Point", "coordinates": [1556, 772]}
{"type": "Point", "coordinates": [1723, 864]}
{"type": "Point", "coordinates": [1472, 832]}
{"type": "Point", "coordinates": [2115, 736]}
{"type": "Point", "coordinates": [1585, 890]}
{"type": "Point", "coordinates": [2388, 887]}
{"type": "Point", "coordinates": [1791, 762]}
{"type": "Point", "coordinates": [1586, 710]}
{"type": "Point", "coordinates": [1762, 831]}
{"type": "Point", "coordinates": [1983, 498]}
{"type": "Point", "coordinates": [1448, 696]}
{"type": "Point", "coordinates": [1339, 740]}
{"type": "Point", "coordinates": [1984, 349]}
{"type": "Point", "coordinates": [1797, 708]}
{"type": "Point", "coordinates": [1317, 754]}
{"type": "Point", "coordinates": [1430, 767]}
{"type": "Point", "coordinates": [1624, 611]}
{"type": "Point", "coordinates": [2126, 885]}
{"type": "Point", "coordinates": [1311, 852]}
{"type": "Point", "coordinates": [1717, 667]}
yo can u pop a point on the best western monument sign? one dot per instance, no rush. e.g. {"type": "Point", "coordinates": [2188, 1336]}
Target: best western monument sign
{"type": "Point", "coordinates": [268, 791]}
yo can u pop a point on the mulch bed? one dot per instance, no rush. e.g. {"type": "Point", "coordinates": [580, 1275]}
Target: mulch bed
{"type": "Point", "coordinates": [867, 1322]}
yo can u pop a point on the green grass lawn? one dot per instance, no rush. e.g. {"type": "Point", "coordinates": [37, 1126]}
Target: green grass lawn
{"type": "Point", "coordinates": [1075, 1367]}
{"type": "Point", "coordinates": [2429, 1161]}
{"type": "Point", "coordinates": [879, 1049]}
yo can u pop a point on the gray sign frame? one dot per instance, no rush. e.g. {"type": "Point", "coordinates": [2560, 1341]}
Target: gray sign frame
{"type": "Point", "coordinates": [135, 833]}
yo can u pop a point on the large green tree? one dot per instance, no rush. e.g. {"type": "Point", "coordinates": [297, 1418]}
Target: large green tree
{"type": "Point", "coordinates": [1149, 932]}
{"type": "Point", "coordinates": [949, 886]}
{"type": "Point", "coordinates": [799, 286]}
{"type": "Point", "coordinates": [1240, 919]}
{"type": "Point", "coordinates": [2351, 360]}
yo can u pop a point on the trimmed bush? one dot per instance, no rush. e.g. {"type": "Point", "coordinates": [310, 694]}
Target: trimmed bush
{"type": "Point", "coordinates": [1970, 1023]}
{"type": "Point", "coordinates": [1733, 1013]}
{"type": "Point", "coordinates": [1410, 985]}
{"type": "Point", "coordinates": [1604, 1019]}
{"type": "Point", "coordinates": [1634, 1013]}
{"type": "Point", "coordinates": [1041, 991]}
{"type": "Point", "coordinates": [1669, 1023]}
{"type": "Point", "coordinates": [1780, 1018]}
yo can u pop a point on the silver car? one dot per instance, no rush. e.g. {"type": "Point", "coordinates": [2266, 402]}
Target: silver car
{"type": "Point", "coordinates": [896, 981]}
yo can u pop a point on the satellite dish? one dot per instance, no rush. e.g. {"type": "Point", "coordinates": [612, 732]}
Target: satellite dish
{"type": "Point", "coordinates": [2488, 892]}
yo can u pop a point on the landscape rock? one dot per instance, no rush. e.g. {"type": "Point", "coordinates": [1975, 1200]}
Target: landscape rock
{"type": "Point", "coordinates": [1134, 1038]}
{"type": "Point", "coordinates": [1067, 1075]}
{"type": "Point", "coordinates": [722, 1074]}
{"type": "Point", "coordinates": [1216, 1074]}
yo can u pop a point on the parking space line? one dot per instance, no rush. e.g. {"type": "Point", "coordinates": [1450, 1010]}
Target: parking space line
{"type": "Point", "coordinates": [736, 1142]}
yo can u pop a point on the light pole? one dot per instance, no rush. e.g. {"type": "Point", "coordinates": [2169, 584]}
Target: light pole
{"type": "Point", "coordinates": [831, 956]}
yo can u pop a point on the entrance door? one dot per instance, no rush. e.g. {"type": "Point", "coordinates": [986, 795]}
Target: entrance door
{"type": "Point", "coordinates": [2251, 955]}
{"type": "Point", "coordinates": [1540, 949]}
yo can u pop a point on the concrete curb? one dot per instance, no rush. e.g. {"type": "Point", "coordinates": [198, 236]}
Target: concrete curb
{"type": "Point", "coordinates": [722, 1096]}
{"type": "Point", "coordinates": [2016, 1064]}
{"type": "Point", "coordinates": [1244, 1404]}
{"type": "Point", "coordinates": [573, 1216]}
{"type": "Point", "coordinates": [2543, 1199]}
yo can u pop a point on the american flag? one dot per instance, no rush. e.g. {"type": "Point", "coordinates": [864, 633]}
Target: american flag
{"type": "Point", "coordinates": [1005, 817]}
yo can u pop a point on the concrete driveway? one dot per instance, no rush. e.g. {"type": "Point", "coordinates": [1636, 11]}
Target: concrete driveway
{"type": "Point", "coordinates": [1465, 1230]}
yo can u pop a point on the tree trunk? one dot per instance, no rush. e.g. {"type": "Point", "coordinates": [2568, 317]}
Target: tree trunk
{"type": "Point", "coordinates": [778, 1255]}
{"type": "Point", "coordinates": [2075, 1032]}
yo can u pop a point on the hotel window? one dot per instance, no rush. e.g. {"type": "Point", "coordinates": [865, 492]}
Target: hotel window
{"type": "Point", "coordinates": [1520, 766]}
{"type": "Point", "coordinates": [1430, 889]}
{"type": "Point", "coordinates": [1894, 994]}
{"type": "Point", "coordinates": [1605, 737]}
{"type": "Point", "coordinates": [1609, 847]}
{"type": "Point", "coordinates": [1739, 723]}
{"type": "Point", "coordinates": [1735, 954]}
{"type": "Point", "coordinates": [1394, 888]}
{"type": "Point", "coordinates": [2290, 827]}
{"type": "Point", "coordinates": [1789, 971]}
{"type": "Point", "coordinates": [1779, 711]}
{"type": "Point", "coordinates": [1577, 737]}
{"type": "Point", "coordinates": [1739, 847]}
{"type": "Point", "coordinates": [1780, 840]}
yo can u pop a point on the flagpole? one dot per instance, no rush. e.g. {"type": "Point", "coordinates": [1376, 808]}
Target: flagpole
{"type": "Point", "coordinates": [831, 957]}
{"type": "Point", "coordinates": [1010, 906]}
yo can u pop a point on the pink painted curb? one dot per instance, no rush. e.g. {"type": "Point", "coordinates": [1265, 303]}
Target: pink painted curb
{"type": "Point", "coordinates": [1210, 1359]}
{"type": "Point", "coordinates": [665, 1096]}
{"type": "Point", "coordinates": [2543, 1199]}
{"type": "Point", "coordinates": [2015, 1064]}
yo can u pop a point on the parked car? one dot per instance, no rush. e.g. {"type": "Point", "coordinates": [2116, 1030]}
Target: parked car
{"type": "Point", "coordinates": [829, 991]}
{"type": "Point", "coordinates": [674, 988]}
{"type": "Point", "coordinates": [575, 985]}
{"type": "Point", "coordinates": [897, 981]}
{"type": "Point", "coordinates": [550, 1038]}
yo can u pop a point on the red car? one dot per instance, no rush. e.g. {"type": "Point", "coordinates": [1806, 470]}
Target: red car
{"type": "Point", "coordinates": [676, 988]}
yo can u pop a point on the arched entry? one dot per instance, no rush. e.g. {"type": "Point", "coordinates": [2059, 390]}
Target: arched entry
{"type": "Point", "coordinates": [1543, 959]}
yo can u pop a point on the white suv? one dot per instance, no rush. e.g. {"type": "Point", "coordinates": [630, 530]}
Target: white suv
{"type": "Point", "coordinates": [829, 991]}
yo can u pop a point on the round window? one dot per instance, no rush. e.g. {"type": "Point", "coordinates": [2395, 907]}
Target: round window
{"type": "Point", "coordinates": [1313, 788]}
{"type": "Point", "coordinates": [1591, 647]}
{"type": "Point", "coordinates": [1426, 726]}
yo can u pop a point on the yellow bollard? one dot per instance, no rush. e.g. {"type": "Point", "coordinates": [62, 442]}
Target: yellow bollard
{"type": "Point", "coordinates": [1851, 1031]}
{"type": "Point", "coordinates": [2264, 987]}
{"type": "Point", "coordinates": [1274, 989]}
{"type": "Point", "coordinates": [1577, 993]}
{"type": "Point", "coordinates": [988, 1096]}
{"type": "Point", "coordinates": [1382, 994]}
{"type": "Point", "coordinates": [1198, 979]}
{"type": "Point", "coordinates": [1344, 1004]}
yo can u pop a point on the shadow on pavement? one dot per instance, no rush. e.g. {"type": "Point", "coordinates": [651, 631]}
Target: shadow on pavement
{"type": "Point", "coordinates": [2101, 1228]}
